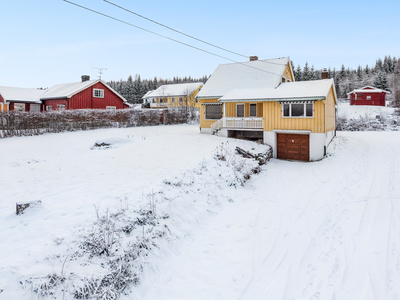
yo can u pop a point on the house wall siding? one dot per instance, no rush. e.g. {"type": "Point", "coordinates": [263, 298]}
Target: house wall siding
{"type": "Point", "coordinates": [330, 111]}
{"type": "Point", "coordinates": [187, 101]}
{"type": "Point", "coordinates": [287, 73]}
{"type": "Point", "coordinates": [203, 122]}
{"type": "Point", "coordinates": [231, 109]}
{"type": "Point", "coordinates": [377, 99]}
{"type": "Point", "coordinates": [85, 99]}
{"type": "Point", "coordinates": [273, 119]}
{"type": "Point", "coordinates": [54, 103]}
{"type": "Point", "coordinates": [1, 99]}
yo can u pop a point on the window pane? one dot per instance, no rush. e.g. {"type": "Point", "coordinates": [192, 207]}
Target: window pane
{"type": "Point", "coordinates": [286, 110]}
{"type": "Point", "coordinates": [297, 110]}
{"type": "Point", "coordinates": [213, 112]}
{"type": "Point", "coordinates": [240, 110]}
{"type": "Point", "coordinates": [309, 110]}
{"type": "Point", "coordinates": [253, 110]}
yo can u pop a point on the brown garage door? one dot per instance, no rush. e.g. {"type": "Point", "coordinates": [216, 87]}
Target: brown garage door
{"type": "Point", "coordinates": [294, 146]}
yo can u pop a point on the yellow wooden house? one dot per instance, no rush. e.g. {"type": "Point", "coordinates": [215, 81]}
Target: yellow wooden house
{"type": "Point", "coordinates": [174, 96]}
{"type": "Point", "coordinates": [259, 99]}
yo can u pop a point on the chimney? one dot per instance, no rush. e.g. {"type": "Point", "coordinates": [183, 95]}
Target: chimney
{"type": "Point", "coordinates": [324, 74]}
{"type": "Point", "coordinates": [252, 58]}
{"type": "Point", "coordinates": [85, 78]}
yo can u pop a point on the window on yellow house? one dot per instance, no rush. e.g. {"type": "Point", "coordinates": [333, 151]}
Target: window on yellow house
{"type": "Point", "coordinates": [213, 112]}
{"type": "Point", "coordinates": [240, 110]}
{"type": "Point", "coordinates": [253, 110]}
{"type": "Point", "coordinates": [298, 110]}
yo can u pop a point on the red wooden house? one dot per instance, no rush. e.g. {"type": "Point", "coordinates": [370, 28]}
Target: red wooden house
{"type": "Point", "coordinates": [23, 99]}
{"type": "Point", "coordinates": [88, 94]}
{"type": "Point", "coordinates": [93, 94]}
{"type": "Point", "coordinates": [368, 95]}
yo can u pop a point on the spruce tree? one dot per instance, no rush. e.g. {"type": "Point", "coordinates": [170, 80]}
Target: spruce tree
{"type": "Point", "coordinates": [306, 73]}
{"type": "Point", "coordinates": [359, 73]}
{"type": "Point", "coordinates": [298, 75]}
{"type": "Point", "coordinates": [381, 81]}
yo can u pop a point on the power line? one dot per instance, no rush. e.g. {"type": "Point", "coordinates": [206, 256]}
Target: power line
{"type": "Point", "coordinates": [166, 37]}
{"type": "Point", "coordinates": [180, 32]}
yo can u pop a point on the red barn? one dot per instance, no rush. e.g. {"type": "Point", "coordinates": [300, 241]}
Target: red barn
{"type": "Point", "coordinates": [92, 94]}
{"type": "Point", "coordinates": [368, 95]}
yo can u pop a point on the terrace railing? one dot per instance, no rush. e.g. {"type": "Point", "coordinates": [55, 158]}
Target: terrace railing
{"type": "Point", "coordinates": [239, 123]}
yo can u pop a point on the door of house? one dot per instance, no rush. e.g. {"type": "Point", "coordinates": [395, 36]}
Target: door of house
{"type": "Point", "coordinates": [293, 146]}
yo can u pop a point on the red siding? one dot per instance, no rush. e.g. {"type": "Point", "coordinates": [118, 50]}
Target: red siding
{"type": "Point", "coordinates": [85, 99]}
{"type": "Point", "coordinates": [54, 103]}
{"type": "Point", "coordinates": [377, 99]}
{"type": "Point", "coordinates": [1, 99]}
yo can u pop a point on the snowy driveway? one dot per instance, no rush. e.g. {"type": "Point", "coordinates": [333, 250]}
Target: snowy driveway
{"type": "Point", "coordinates": [322, 230]}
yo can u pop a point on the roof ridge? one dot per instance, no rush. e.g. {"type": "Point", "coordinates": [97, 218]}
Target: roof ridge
{"type": "Point", "coordinates": [252, 61]}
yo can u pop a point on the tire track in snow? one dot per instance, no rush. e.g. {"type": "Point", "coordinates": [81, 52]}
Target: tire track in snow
{"type": "Point", "coordinates": [361, 270]}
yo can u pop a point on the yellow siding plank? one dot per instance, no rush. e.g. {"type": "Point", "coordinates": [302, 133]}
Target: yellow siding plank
{"type": "Point", "coordinates": [274, 119]}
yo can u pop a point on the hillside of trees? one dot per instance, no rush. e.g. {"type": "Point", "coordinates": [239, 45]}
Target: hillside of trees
{"type": "Point", "coordinates": [385, 74]}
{"type": "Point", "coordinates": [134, 89]}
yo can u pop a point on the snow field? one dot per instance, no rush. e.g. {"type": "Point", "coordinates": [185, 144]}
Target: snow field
{"type": "Point", "coordinates": [322, 230]}
{"type": "Point", "coordinates": [75, 180]}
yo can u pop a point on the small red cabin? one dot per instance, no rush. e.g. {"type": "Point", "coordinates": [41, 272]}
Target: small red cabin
{"type": "Point", "coordinates": [368, 95]}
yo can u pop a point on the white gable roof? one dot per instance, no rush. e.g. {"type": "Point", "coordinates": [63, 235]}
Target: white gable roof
{"type": "Point", "coordinates": [67, 90]}
{"type": "Point", "coordinates": [249, 75]}
{"type": "Point", "coordinates": [21, 94]}
{"type": "Point", "coordinates": [300, 90]}
{"type": "Point", "coordinates": [167, 90]}
{"type": "Point", "coordinates": [368, 89]}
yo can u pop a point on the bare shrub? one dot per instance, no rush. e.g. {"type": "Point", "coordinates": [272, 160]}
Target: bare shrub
{"type": "Point", "coordinates": [17, 123]}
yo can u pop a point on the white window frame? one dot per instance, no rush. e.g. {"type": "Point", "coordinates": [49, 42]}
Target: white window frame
{"type": "Point", "coordinates": [34, 108]}
{"type": "Point", "coordinates": [250, 109]}
{"type": "Point", "coordinates": [297, 117]}
{"type": "Point", "coordinates": [49, 107]}
{"type": "Point", "coordinates": [172, 99]}
{"type": "Point", "coordinates": [244, 113]}
{"type": "Point", "coordinates": [111, 107]}
{"type": "Point", "coordinates": [98, 93]}
{"type": "Point", "coordinates": [368, 97]}
{"type": "Point", "coordinates": [180, 99]}
{"type": "Point", "coordinates": [60, 107]}
{"type": "Point", "coordinates": [19, 106]}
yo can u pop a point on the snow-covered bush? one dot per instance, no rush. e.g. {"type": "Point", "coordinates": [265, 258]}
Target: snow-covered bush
{"type": "Point", "coordinates": [17, 123]}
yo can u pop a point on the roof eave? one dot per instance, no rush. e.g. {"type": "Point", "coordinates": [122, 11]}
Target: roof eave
{"type": "Point", "coordinates": [275, 99]}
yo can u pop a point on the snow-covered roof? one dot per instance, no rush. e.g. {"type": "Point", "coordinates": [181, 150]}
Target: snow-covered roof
{"type": "Point", "coordinates": [368, 89]}
{"type": "Point", "coordinates": [300, 90]}
{"type": "Point", "coordinates": [67, 90]}
{"type": "Point", "coordinates": [246, 75]}
{"type": "Point", "coordinates": [168, 90]}
{"type": "Point", "coordinates": [21, 94]}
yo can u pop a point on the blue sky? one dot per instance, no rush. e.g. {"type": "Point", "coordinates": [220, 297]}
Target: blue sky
{"type": "Point", "coordinates": [46, 42]}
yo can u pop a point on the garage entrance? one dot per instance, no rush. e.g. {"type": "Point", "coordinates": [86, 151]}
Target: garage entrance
{"type": "Point", "coordinates": [293, 146]}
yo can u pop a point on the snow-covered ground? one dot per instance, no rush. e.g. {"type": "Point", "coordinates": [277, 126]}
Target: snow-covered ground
{"type": "Point", "coordinates": [344, 109]}
{"type": "Point", "coordinates": [321, 230]}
